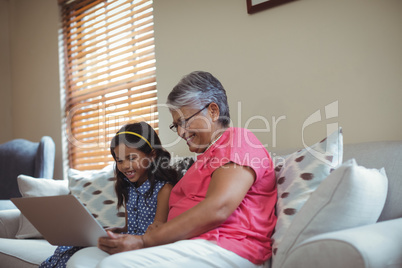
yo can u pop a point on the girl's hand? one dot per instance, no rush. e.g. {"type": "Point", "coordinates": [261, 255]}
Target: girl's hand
{"type": "Point", "coordinates": [116, 243]}
{"type": "Point", "coordinates": [116, 230]}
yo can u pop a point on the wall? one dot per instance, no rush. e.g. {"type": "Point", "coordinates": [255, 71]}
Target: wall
{"type": "Point", "coordinates": [281, 65]}
{"type": "Point", "coordinates": [34, 71]}
{"type": "Point", "coordinates": [6, 132]}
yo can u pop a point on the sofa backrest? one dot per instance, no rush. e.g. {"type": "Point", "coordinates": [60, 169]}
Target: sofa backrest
{"type": "Point", "coordinates": [387, 154]}
{"type": "Point", "coordinates": [20, 156]}
{"type": "Point", "coordinates": [381, 154]}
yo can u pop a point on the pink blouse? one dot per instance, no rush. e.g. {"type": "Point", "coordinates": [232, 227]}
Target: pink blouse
{"type": "Point", "coordinates": [248, 230]}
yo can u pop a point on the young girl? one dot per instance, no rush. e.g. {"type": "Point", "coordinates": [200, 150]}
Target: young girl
{"type": "Point", "coordinates": [144, 179]}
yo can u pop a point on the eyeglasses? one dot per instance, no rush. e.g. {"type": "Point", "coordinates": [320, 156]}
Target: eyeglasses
{"type": "Point", "coordinates": [183, 123]}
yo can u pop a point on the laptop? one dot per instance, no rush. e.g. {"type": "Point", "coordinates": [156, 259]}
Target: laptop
{"type": "Point", "coordinates": [62, 220]}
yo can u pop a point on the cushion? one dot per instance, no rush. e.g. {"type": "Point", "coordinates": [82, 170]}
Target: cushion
{"type": "Point", "coordinates": [95, 189]}
{"type": "Point", "coordinates": [29, 187]}
{"type": "Point", "coordinates": [298, 175]}
{"type": "Point", "coordinates": [351, 196]}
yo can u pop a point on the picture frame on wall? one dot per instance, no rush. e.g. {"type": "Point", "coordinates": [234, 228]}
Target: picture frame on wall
{"type": "Point", "coordinates": [254, 6]}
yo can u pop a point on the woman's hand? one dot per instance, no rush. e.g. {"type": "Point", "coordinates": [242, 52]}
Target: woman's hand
{"type": "Point", "coordinates": [154, 225]}
{"type": "Point", "coordinates": [116, 243]}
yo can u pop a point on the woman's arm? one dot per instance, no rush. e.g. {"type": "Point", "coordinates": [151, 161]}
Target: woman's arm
{"type": "Point", "coordinates": [228, 187]}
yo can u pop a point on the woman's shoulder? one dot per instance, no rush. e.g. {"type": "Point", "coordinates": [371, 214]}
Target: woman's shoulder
{"type": "Point", "coordinates": [232, 132]}
{"type": "Point", "coordinates": [241, 138]}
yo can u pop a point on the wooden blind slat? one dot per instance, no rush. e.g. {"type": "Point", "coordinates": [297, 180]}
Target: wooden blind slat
{"type": "Point", "coordinates": [77, 18]}
{"type": "Point", "coordinates": [134, 46]}
{"type": "Point", "coordinates": [132, 96]}
{"type": "Point", "coordinates": [85, 47]}
{"type": "Point", "coordinates": [93, 137]}
{"type": "Point", "coordinates": [110, 109]}
{"type": "Point", "coordinates": [109, 70]}
{"type": "Point", "coordinates": [89, 167]}
{"type": "Point", "coordinates": [101, 93]}
{"type": "Point", "coordinates": [137, 112]}
{"type": "Point", "coordinates": [90, 22]}
{"type": "Point", "coordinates": [86, 92]}
{"type": "Point", "coordinates": [84, 152]}
{"type": "Point", "coordinates": [118, 84]}
{"type": "Point", "coordinates": [91, 51]}
{"type": "Point", "coordinates": [92, 146]}
{"type": "Point", "coordinates": [92, 120]}
{"type": "Point", "coordinates": [101, 158]}
{"type": "Point", "coordinates": [75, 15]}
{"type": "Point", "coordinates": [76, 6]}
{"type": "Point", "coordinates": [86, 67]}
{"type": "Point", "coordinates": [78, 38]}
{"type": "Point", "coordinates": [131, 62]}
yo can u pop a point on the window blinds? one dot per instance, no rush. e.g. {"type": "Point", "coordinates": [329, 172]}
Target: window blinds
{"type": "Point", "coordinates": [109, 74]}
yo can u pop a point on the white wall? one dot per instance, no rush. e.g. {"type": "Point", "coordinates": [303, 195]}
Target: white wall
{"type": "Point", "coordinates": [289, 61]}
{"type": "Point", "coordinates": [34, 90]}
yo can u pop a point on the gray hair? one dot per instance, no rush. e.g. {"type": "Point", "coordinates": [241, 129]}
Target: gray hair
{"type": "Point", "coordinates": [198, 89]}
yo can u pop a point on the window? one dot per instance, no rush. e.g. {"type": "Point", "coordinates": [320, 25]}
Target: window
{"type": "Point", "coordinates": [108, 66]}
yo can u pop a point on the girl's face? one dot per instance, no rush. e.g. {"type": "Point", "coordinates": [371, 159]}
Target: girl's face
{"type": "Point", "coordinates": [132, 163]}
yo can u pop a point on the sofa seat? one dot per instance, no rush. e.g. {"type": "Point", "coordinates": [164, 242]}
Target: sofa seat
{"type": "Point", "coordinates": [31, 252]}
{"type": "Point", "coordinates": [20, 252]}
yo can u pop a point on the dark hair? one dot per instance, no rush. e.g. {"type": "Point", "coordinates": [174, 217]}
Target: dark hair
{"type": "Point", "coordinates": [160, 168]}
{"type": "Point", "coordinates": [198, 89]}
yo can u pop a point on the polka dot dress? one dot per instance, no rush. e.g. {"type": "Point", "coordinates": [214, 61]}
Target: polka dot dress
{"type": "Point", "coordinates": [140, 211]}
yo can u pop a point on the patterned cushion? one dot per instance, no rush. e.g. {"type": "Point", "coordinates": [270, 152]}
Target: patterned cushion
{"type": "Point", "coordinates": [298, 175]}
{"type": "Point", "coordinates": [351, 196]}
{"type": "Point", "coordinates": [95, 189]}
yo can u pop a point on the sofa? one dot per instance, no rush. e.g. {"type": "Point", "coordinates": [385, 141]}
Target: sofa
{"type": "Point", "coordinates": [370, 237]}
{"type": "Point", "coordinates": [20, 156]}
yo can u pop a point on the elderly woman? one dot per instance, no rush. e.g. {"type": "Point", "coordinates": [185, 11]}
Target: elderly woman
{"type": "Point", "coordinates": [221, 213]}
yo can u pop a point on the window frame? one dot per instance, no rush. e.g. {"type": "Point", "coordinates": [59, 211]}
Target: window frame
{"type": "Point", "coordinates": [108, 68]}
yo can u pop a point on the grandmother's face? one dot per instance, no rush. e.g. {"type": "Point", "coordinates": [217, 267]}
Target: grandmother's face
{"type": "Point", "coordinates": [198, 130]}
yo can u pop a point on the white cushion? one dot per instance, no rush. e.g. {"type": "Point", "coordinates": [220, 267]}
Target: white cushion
{"type": "Point", "coordinates": [298, 175]}
{"type": "Point", "coordinates": [95, 189]}
{"type": "Point", "coordinates": [30, 187]}
{"type": "Point", "coordinates": [351, 196]}
{"type": "Point", "coordinates": [24, 253]}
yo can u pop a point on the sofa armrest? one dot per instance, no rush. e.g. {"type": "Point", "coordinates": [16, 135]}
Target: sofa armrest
{"type": "Point", "coordinates": [9, 223]}
{"type": "Point", "coordinates": [375, 245]}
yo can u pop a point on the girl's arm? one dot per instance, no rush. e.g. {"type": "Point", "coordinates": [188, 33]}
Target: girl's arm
{"type": "Point", "coordinates": [228, 187]}
{"type": "Point", "coordinates": [162, 207]}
